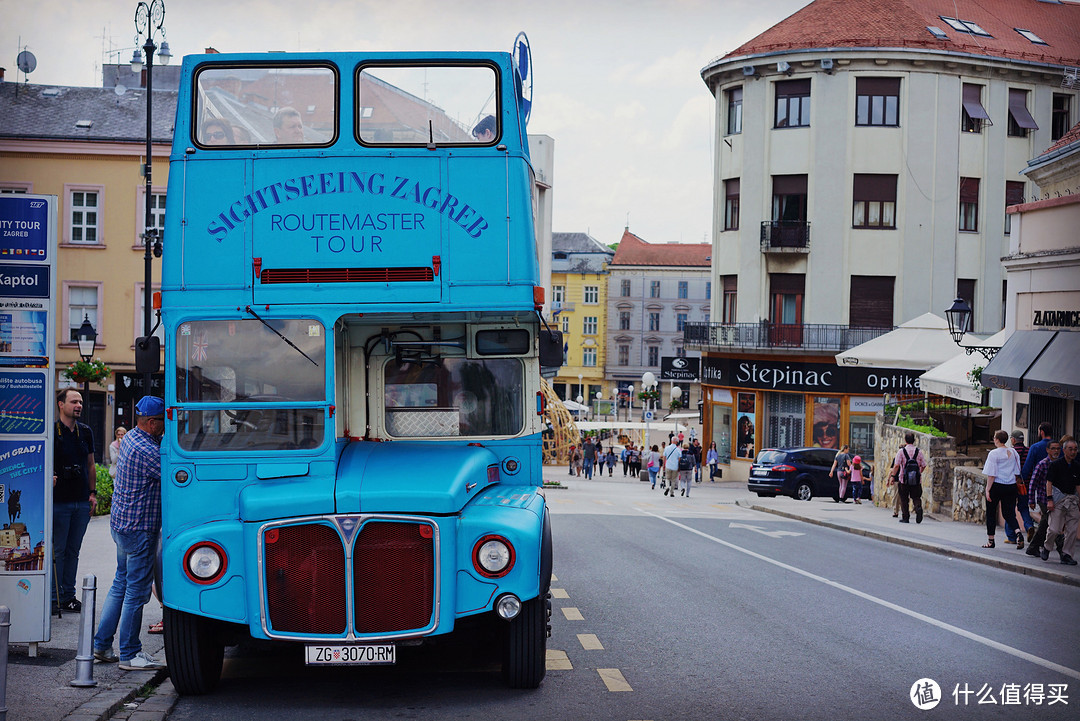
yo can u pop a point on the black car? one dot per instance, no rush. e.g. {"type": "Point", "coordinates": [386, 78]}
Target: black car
{"type": "Point", "coordinates": [801, 473]}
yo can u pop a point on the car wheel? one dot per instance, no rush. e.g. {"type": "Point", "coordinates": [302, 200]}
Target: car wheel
{"type": "Point", "coordinates": [804, 491]}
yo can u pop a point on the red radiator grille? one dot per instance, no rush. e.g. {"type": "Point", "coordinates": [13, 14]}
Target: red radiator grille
{"type": "Point", "coordinates": [305, 579]}
{"type": "Point", "coordinates": [393, 577]}
{"type": "Point", "coordinates": [346, 275]}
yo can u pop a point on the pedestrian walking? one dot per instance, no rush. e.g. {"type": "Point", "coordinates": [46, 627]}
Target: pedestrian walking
{"type": "Point", "coordinates": [1037, 497]}
{"type": "Point", "coordinates": [907, 469]}
{"type": "Point", "coordinates": [74, 495]}
{"type": "Point", "coordinates": [611, 458]}
{"type": "Point", "coordinates": [672, 454]}
{"type": "Point", "coordinates": [686, 470]}
{"type": "Point", "coordinates": [696, 449]}
{"type": "Point", "coordinates": [855, 473]}
{"type": "Point", "coordinates": [1062, 478]}
{"type": "Point", "coordinates": [712, 457]}
{"type": "Point", "coordinates": [1002, 469]}
{"type": "Point", "coordinates": [135, 522]}
{"type": "Point", "coordinates": [841, 466]}
{"type": "Point", "coordinates": [1022, 487]}
{"type": "Point", "coordinates": [588, 456]}
{"type": "Point", "coordinates": [635, 461]}
{"type": "Point", "coordinates": [653, 465]}
{"type": "Point", "coordinates": [625, 457]}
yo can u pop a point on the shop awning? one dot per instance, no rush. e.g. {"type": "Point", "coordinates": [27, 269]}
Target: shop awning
{"type": "Point", "coordinates": [1017, 356]}
{"type": "Point", "coordinates": [1055, 371]}
{"type": "Point", "coordinates": [951, 377]}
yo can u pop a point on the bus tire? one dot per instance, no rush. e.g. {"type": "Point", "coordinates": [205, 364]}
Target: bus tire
{"type": "Point", "coordinates": [525, 647]}
{"type": "Point", "coordinates": [194, 652]}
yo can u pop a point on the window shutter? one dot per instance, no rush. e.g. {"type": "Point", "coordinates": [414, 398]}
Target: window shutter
{"type": "Point", "coordinates": [969, 190]}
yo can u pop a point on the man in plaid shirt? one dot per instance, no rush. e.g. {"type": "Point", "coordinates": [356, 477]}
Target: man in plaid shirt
{"type": "Point", "coordinates": [1037, 496]}
{"type": "Point", "coordinates": [135, 524]}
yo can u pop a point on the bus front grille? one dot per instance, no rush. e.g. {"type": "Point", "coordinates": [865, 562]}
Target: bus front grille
{"type": "Point", "coordinates": [393, 572]}
{"type": "Point", "coordinates": [346, 275]}
{"type": "Point", "coordinates": [393, 576]}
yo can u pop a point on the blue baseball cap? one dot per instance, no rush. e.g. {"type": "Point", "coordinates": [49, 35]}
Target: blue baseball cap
{"type": "Point", "coordinates": [150, 406]}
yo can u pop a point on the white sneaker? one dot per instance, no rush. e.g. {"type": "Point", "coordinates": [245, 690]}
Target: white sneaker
{"type": "Point", "coordinates": [141, 661]}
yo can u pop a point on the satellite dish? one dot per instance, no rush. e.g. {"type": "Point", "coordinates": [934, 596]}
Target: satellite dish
{"type": "Point", "coordinates": [26, 62]}
{"type": "Point", "coordinates": [523, 65]}
{"type": "Point", "coordinates": [120, 89]}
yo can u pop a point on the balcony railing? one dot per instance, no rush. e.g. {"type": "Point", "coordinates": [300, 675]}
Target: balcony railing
{"type": "Point", "coordinates": [805, 336]}
{"type": "Point", "coordinates": [785, 236]}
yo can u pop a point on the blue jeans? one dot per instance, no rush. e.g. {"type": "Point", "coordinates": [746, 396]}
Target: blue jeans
{"type": "Point", "coordinates": [652, 475]}
{"type": "Point", "coordinates": [588, 465]}
{"type": "Point", "coordinates": [69, 526]}
{"type": "Point", "coordinates": [130, 590]}
{"type": "Point", "coordinates": [1025, 515]}
{"type": "Point", "coordinates": [856, 490]}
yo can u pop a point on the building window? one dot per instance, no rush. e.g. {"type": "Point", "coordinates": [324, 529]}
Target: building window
{"type": "Point", "coordinates": [870, 303]}
{"type": "Point", "coordinates": [731, 292]}
{"type": "Point", "coordinates": [969, 204]}
{"type": "Point", "coordinates": [734, 110]}
{"type": "Point", "coordinates": [566, 325]}
{"type": "Point", "coordinates": [680, 352]}
{"type": "Point", "coordinates": [592, 294]}
{"type": "Point", "coordinates": [793, 104]}
{"type": "Point", "coordinates": [874, 201]}
{"type": "Point", "coordinates": [654, 289]}
{"type": "Point", "coordinates": [877, 101]}
{"type": "Point", "coordinates": [624, 320]}
{"type": "Point", "coordinates": [654, 356]}
{"type": "Point", "coordinates": [83, 216]}
{"type": "Point", "coordinates": [1031, 36]}
{"type": "Point", "coordinates": [588, 357]}
{"type": "Point", "coordinates": [82, 303]}
{"type": "Point", "coordinates": [157, 214]}
{"type": "Point", "coordinates": [558, 294]}
{"type": "Point", "coordinates": [1014, 195]}
{"type": "Point", "coordinates": [624, 354]}
{"type": "Point", "coordinates": [965, 288]}
{"type": "Point", "coordinates": [1020, 120]}
{"type": "Point", "coordinates": [684, 289]}
{"type": "Point", "coordinates": [588, 325]}
{"type": "Point", "coordinates": [789, 208]}
{"type": "Point", "coordinates": [15, 188]}
{"type": "Point", "coordinates": [731, 204]}
{"type": "Point", "coordinates": [706, 317]}
{"type": "Point", "coordinates": [624, 289]}
{"type": "Point", "coordinates": [680, 321]}
{"type": "Point", "coordinates": [973, 115]}
{"type": "Point", "coordinates": [654, 321]}
{"type": "Point", "coordinates": [1059, 121]}
{"type": "Point", "coordinates": [708, 290]}
{"type": "Point", "coordinates": [965, 26]}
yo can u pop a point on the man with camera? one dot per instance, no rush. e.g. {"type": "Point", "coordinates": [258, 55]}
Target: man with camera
{"type": "Point", "coordinates": [74, 494]}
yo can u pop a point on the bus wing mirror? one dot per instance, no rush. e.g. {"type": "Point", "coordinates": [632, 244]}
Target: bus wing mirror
{"type": "Point", "coordinates": [147, 354]}
{"type": "Point", "coordinates": [551, 348]}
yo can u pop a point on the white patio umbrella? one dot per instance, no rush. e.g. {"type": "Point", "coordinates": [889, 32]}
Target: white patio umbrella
{"type": "Point", "coordinates": [919, 344]}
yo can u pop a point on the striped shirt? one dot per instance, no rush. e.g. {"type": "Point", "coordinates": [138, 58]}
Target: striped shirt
{"type": "Point", "coordinates": [136, 501]}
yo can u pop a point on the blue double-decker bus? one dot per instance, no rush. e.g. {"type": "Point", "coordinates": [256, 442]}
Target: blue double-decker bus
{"type": "Point", "coordinates": [349, 300]}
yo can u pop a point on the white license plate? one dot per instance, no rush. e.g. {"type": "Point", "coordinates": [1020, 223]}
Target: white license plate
{"type": "Point", "coordinates": [350, 655]}
{"type": "Point", "coordinates": [761, 472]}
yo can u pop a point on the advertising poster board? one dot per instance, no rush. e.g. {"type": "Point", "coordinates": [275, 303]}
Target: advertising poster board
{"type": "Point", "coordinates": [27, 385]}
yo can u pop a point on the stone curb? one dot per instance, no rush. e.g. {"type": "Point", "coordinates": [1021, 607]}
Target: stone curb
{"type": "Point", "coordinates": [104, 705]}
{"type": "Point", "coordinates": [924, 546]}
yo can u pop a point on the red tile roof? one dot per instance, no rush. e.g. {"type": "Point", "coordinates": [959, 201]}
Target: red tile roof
{"type": "Point", "coordinates": [633, 250]}
{"type": "Point", "coordinates": [903, 23]}
{"type": "Point", "coordinates": [1067, 139]}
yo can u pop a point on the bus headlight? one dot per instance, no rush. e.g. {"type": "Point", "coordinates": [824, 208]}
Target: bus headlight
{"type": "Point", "coordinates": [205, 562]}
{"type": "Point", "coordinates": [493, 556]}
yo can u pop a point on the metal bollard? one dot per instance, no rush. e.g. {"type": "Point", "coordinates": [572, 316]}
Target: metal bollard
{"type": "Point", "coordinates": [5, 627]}
{"type": "Point", "coordinates": [84, 662]}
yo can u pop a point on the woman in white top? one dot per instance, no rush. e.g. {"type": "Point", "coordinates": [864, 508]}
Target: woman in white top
{"type": "Point", "coordinates": [1001, 469]}
{"type": "Point", "coordinates": [114, 450]}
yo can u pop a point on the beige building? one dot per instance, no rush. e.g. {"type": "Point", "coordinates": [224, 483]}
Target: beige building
{"type": "Point", "coordinates": [87, 147]}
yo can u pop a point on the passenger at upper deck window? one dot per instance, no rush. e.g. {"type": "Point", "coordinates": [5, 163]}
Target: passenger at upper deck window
{"type": "Point", "coordinates": [217, 132]}
{"type": "Point", "coordinates": [484, 131]}
{"type": "Point", "coordinates": [288, 127]}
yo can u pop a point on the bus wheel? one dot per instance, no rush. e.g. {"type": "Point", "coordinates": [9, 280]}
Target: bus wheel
{"type": "Point", "coordinates": [525, 647]}
{"type": "Point", "coordinates": [194, 652]}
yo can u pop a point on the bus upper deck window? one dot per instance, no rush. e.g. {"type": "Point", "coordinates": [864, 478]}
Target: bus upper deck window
{"type": "Point", "coordinates": [259, 105]}
{"type": "Point", "coordinates": [421, 104]}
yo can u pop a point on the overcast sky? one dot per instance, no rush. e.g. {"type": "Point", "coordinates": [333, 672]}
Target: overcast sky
{"type": "Point", "coordinates": [617, 82]}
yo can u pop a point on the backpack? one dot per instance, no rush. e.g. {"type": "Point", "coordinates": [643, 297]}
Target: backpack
{"type": "Point", "coordinates": [910, 473]}
{"type": "Point", "coordinates": [686, 461]}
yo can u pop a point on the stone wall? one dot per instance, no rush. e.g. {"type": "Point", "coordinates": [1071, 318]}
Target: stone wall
{"type": "Point", "coordinates": [969, 495]}
{"type": "Point", "coordinates": [942, 459]}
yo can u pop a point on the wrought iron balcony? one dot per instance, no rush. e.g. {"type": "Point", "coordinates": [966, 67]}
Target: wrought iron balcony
{"type": "Point", "coordinates": [785, 236]}
{"type": "Point", "coordinates": [765, 335]}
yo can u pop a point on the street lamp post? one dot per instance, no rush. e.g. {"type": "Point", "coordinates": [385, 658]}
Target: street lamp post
{"type": "Point", "coordinates": [86, 337]}
{"type": "Point", "coordinates": [630, 407]}
{"type": "Point", "coordinates": [959, 317]}
{"type": "Point", "coordinates": [648, 382]}
{"type": "Point", "coordinates": [149, 21]}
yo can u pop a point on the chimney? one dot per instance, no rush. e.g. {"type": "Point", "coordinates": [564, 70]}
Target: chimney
{"type": "Point", "coordinates": [211, 51]}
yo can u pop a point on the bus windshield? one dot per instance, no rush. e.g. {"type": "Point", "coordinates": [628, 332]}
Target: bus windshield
{"type": "Point", "coordinates": [454, 397]}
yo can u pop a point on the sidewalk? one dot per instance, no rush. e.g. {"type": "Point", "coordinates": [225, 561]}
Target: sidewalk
{"type": "Point", "coordinates": [39, 689]}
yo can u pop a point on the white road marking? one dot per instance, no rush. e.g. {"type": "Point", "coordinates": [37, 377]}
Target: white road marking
{"type": "Point", "coordinates": [762, 531]}
{"type": "Point", "coordinates": [1064, 670]}
{"type": "Point", "coordinates": [613, 679]}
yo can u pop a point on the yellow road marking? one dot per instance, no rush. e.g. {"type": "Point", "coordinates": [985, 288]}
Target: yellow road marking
{"type": "Point", "coordinates": [558, 661]}
{"type": "Point", "coordinates": [572, 614]}
{"type": "Point", "coordinates": [590, 642]}
{"type": "Point", "coordinates": [613, 679]}
{"type": "Point", "coordinates": [559, 593]}
{"type": "Point", "coordinates": [554, 578]}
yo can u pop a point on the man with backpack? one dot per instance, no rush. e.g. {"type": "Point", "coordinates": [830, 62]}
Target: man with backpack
{"type": "Point", "coordinates": [907, 470]}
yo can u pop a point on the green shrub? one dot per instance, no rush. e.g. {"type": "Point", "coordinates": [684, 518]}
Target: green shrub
{"type": "Point", "coordinates": [906, 422]}
{"type": "Point", "coordinates": [104, 490]}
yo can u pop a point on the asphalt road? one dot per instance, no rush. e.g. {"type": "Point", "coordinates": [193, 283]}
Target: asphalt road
{"type": "Point", "coordinates": [696, 609]}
